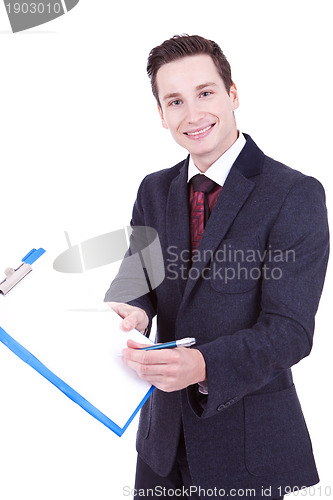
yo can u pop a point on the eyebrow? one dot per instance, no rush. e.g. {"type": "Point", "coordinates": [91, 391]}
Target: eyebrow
{"type": "Point", "coordinates": [203, 85]}
{"type": "Point", "coordinates": [172, 95]}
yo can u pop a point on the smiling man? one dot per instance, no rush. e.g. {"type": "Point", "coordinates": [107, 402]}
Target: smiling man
{"type": "Point", "coordinates": [224, 420]}
{"type": "Point", "coordinates": [197, 109]}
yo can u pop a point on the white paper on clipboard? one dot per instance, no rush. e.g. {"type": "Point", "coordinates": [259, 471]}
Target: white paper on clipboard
{"type": "Point", "coordinates": [79, 346]}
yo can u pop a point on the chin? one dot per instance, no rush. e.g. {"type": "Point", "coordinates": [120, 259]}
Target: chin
{"type": "Point", "coordinates": [201, 151]}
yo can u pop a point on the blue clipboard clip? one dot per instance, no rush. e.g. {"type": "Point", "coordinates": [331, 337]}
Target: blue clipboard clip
{"type": "Point", "coordinates": [14, 276]}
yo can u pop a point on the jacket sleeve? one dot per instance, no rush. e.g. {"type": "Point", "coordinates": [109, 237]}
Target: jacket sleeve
{"type": "Point", "coordinates": [142, 268]}
{"type": "Point", "coordinates": [242, 363]}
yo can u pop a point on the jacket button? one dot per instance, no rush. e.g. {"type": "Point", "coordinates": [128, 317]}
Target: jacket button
{"type": "Point", "coordinates": [226, 405]}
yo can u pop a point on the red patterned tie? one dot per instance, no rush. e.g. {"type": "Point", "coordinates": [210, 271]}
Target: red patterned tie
{"type": "Point", "coordinates": [199, 207]}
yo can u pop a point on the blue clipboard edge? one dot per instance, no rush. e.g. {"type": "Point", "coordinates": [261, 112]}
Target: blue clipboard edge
{"type": "Point", "coordinates": [32, 361]}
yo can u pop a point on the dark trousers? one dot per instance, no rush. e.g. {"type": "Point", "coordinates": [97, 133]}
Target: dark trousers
{"type": "Point", "coordinates": [178, 484]}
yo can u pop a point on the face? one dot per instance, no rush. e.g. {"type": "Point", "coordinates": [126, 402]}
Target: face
{"type": "Point", "coordinates": [196, 107]}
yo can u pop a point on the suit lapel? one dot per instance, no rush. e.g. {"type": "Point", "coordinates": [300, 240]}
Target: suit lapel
{"type": "Point", "coordinates": [177, 226]}
{"type": "Point", "coordinates": [230, 201]}
{"type": "Point", "coordinates": [233, 196]}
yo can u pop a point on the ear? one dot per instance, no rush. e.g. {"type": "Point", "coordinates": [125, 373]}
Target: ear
{"type": "Point", "coordinates": [234, 96]}
{"type": "Point", "coordinates": [164, 123]}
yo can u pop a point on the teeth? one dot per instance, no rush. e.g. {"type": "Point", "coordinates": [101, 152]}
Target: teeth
{"type": "Point", "coordinates": [199, 131]}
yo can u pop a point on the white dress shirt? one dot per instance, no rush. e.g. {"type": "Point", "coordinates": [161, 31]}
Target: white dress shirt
{"type": "Point", "coordinates": [219, 170]}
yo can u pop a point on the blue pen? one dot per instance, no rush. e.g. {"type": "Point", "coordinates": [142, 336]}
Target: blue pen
{"type": "Point", "coordinates": [187, 342]}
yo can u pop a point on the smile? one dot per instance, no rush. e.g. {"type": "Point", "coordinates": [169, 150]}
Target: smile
{"type": "Point", "coordinates": [200, 132]}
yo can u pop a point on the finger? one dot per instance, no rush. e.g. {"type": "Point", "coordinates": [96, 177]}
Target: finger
{"type": "Point", "coordinates": [156, 357]}
{"type": "Point", "coordinates": [154, 376]}
{"type": "Point", "coordinates": [148, 372]}
{"type": "Point", "coordinates": [136, 345]}
{"type": "Point", "coordinates": [120, 308]}
{"type": "Point", "coordinates": [133, 317]}
{"type": "Point", "coordinates": [132, 320]}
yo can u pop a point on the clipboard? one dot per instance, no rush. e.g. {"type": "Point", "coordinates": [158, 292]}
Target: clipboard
{"type": "Point", "coordinates": [76, 350]}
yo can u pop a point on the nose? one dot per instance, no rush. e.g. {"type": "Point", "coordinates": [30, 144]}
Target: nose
{"type": "Point", "coordinates": [193, 113]}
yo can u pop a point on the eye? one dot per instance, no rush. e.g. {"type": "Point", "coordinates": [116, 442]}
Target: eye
{"type": "Point", "coordinates": [176, 102]}
{"type": "Point", "coordinates": [206, 93]}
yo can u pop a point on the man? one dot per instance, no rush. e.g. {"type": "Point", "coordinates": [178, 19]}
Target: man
{"type": "Point", "coordinates": [224, 419]}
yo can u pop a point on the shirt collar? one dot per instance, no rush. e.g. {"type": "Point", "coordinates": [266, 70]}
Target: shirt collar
{"type": "Point", "coordinates": [219, 170]}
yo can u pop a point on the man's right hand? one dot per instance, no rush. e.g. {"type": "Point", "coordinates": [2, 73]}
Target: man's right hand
{"type": "Point", "coordinates": [133, 317]}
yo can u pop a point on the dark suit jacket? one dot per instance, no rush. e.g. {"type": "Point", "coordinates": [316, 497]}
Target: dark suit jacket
{"type": "Point", "coordinates": [250, 302]}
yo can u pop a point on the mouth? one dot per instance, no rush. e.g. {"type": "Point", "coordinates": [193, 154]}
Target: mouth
{"type": "Point", "coordinates": [200, 132]}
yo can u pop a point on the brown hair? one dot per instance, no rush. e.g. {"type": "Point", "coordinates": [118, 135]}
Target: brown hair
{"type": "Point", "coordinates": [182, 46]}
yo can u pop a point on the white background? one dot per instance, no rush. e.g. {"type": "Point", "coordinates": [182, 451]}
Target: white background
{"type": "Point", "coordinates": [76, 117]}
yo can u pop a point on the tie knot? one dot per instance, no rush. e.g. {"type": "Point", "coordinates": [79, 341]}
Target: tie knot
{"type": "Point", "coordinates": [201, 183]}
